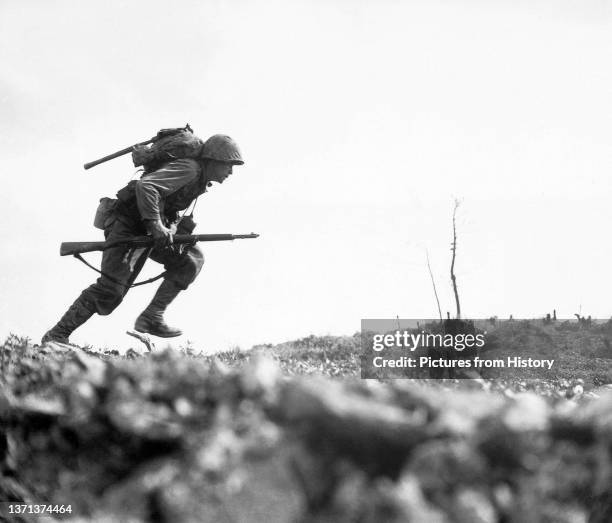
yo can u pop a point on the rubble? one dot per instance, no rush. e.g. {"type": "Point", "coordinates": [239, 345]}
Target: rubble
{"type": "Point", "coordinates": [167, 437]}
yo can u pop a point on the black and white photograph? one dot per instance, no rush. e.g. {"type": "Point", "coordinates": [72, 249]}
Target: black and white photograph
{"type": "Point", "coordinates": [306, 261]}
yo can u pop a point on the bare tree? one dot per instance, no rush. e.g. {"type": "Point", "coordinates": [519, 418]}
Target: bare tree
{"type": "Point", "coordinates": [434, 285]}
{"type": "Point", "coordinates": [454, 250]}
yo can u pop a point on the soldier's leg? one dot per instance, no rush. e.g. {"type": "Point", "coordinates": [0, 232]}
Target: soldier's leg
{"type": "Point", "coordinates": [77, 314]}
{"type": "Point", "coordinates": [181, 270]}
{"type": "Point", "coordinates": [122, 264]}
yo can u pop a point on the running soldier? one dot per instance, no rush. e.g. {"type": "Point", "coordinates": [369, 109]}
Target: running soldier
{"type": "Point", "coordinates": [152, 205]}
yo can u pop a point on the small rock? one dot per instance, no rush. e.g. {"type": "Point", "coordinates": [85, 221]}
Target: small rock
{"type": "Point", "coordinates": [473, 506]}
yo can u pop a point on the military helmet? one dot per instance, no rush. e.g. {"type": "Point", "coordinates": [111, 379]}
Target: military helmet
{"type": "Point", "coordinates": [222, 148]}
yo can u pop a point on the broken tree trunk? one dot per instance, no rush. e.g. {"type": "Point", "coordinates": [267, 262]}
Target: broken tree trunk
{"type": "Point", "coordinates": [454, 250]}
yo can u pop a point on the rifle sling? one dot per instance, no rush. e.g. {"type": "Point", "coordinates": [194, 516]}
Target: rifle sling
{"type": "Point", "coordinates": [114, 280]}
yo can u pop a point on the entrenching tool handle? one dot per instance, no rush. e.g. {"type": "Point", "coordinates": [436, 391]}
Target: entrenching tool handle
{"type": "Point", "coordinates": [160, 134]}
{"type": "Point", "coordinates": [109, 157]}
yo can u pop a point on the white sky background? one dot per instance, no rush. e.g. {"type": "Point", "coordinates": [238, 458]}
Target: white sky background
{"type": "Point", "coordinates": [359, 122]}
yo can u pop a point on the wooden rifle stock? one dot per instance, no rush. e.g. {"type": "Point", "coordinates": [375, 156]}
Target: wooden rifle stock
{"type": "Point", "coordinates": [67, 248]}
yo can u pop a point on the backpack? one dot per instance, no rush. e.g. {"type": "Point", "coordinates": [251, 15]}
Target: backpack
{"type": "Point", "coordinates": [167, 147]}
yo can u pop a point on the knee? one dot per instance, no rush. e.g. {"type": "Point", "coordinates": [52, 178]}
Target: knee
{"type": "Point", "coordinates": [196, 261]}
{"type": "Point", "coordinates": [104, 297]}
{"type": "Point", "coordinates": [108, 305]}
{"type": "Point", "coordinates": [185, 273]}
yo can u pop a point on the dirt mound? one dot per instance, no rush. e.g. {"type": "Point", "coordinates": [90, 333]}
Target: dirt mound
{"type": "Point", "coordinates": [168, 437]}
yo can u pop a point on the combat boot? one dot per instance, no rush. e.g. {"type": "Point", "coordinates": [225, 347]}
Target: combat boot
{"type": "Point", "coordinates": [75, 316]}
{"type": "Point", "coordinates": [151, 321]}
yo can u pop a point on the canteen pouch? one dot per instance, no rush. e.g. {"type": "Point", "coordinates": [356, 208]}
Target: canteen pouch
{"type": "Point", "coordinates": [104, 212]}
{"type": "Point", "coordinates": [186, 225]}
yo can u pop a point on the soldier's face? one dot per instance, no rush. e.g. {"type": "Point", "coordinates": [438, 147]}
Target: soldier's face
{"type": "Point", "coordinates": [218, 171]}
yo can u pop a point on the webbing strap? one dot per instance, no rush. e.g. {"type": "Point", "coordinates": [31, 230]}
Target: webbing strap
{"type": "Point", "coordinates": [114, 280]}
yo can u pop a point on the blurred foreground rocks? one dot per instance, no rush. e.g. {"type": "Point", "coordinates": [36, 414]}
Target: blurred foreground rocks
{"type": "Point", "coordinates": [169, 438]}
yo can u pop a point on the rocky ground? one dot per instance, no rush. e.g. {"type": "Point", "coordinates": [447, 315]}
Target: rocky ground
{"type": "Point", "coordinates": [289, 433]}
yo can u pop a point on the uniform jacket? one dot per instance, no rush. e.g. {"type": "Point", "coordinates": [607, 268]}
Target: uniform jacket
{"type": "Point", "coordinates": [162, 194]}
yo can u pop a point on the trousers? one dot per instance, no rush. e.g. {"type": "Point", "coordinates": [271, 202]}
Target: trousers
{"type": "Point", "coordinates": [124, 263]}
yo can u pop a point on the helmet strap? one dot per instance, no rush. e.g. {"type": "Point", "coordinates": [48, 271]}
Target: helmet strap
{"type": "Point", "coordinates": [204, 162]}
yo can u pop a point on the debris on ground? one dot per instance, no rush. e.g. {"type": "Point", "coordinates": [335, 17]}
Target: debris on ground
{"type": "Point", "coordinates": [167, 437]}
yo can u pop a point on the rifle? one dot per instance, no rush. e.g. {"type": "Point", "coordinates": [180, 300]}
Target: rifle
{"type": "Point", "coordinates": [161, 134]}
{"type": "Point", "coordinates": [75, 248]}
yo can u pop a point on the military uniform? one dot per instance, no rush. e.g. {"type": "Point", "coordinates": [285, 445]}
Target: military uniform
{"type": "Point", "coordinates": [160, 197]}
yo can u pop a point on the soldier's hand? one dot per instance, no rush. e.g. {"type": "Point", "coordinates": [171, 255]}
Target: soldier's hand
{"type": "Point", "coordinates": [162, 236]}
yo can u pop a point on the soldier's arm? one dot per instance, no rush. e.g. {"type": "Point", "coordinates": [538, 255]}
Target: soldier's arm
{"type": "Point", "coordinates": [152, 188]}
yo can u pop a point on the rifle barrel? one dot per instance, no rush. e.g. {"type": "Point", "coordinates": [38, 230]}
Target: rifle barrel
{"type": "Point", "coordinates": [186, 238]}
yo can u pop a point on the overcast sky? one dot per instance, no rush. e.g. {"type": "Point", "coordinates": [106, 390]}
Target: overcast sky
{"type": "Point", "coordinates": [360, 122]}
